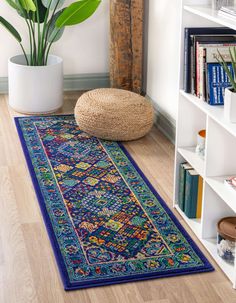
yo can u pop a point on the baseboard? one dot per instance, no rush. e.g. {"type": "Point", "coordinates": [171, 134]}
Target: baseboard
{"type": "Point", "coordinates": [86, 81]}
{"type": "Point", "coordinates": [72, 82]}
{"type": "Point", "coordinates": [3, 85]}
{"type": "Point", "coordinates": [164, 122]}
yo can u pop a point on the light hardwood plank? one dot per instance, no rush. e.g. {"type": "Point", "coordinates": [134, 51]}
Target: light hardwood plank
{"type": "Point", "coordinates": [225, 292]}
{"type": "Point", "coordinates": [28, 271]}
{"type": "Point", "coordinates": [18, 285]}
{"type": "Point", "coordinates": [152, 290]}
{"type": "Point", "coordinates": [42, 262]}
{"type": "Point", "coordinates": [26, 200]}
{"type": "Point", "coordinates": [103, 294]}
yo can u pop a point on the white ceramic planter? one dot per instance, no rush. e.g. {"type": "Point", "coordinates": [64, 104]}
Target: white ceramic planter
{"type": "Point", "coordinates": [230, 106]}
{"type": "Point", "coordinates": [35, 89]}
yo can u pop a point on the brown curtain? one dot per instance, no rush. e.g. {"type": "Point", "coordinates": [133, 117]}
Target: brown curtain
{"type": "Point", "coordinates": [126, 44]}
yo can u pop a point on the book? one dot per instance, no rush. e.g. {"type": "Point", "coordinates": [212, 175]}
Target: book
{"type": "Point", "coordinates": [227, 15]}
{"type": "Point", "coordinates": [198, 42]}
{"type": "Point", "coordinates": [191, 193]}
{"type": "Point", "coordinates": [189, 33]}
{"type": "Point", "coordinates": [217, 81]}
{"type": "Point", "coordinates": [182, 176]}
{"type": "Point", "coordinates": [229, 10]}
{"type": "Point", "coordinates": [199, 198]}
{"type": "Point", "coordinates": [212, 51]}
{"type": "Point", "coordinates": [231, 183]}
{"type": "Point", "coordinates": [208, 53]}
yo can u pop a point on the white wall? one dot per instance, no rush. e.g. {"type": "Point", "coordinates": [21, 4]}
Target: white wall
{"type": "Point", "coordinates": [84, 47]}
{"type": "Point", "coordinates": [163, 54]}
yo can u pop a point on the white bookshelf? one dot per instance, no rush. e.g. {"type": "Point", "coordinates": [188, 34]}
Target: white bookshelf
{"type": "Point", "coordinates": [194, 115]}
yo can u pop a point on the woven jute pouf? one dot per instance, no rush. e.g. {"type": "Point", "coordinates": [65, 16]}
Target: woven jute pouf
{"type": "Point", "coordinates": [114, 114]}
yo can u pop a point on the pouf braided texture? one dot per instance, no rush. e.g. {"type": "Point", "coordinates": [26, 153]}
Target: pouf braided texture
{"type": "Point", "coordinates": [114, 114]}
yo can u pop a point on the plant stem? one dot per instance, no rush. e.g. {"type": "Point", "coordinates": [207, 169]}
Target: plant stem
{"type": "Point", "coordinates": [27, 61]}
{"type": "Point", "coordinates": [27, 23]}
{"type": "Point", "coordinates": [43, 33]}
{"type": "Point", "coordinates": [34, 42]}
{"type": "Point", "coordinates": [48, 26]}
{"type": "Point", "coordinates": [39, 57]}
{"type": "Point", "coordinates": [50, 45]}
{"type": "Point", "coordinates": [35, 47]}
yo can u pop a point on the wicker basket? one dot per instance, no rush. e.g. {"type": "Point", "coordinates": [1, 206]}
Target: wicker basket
{"type": "Point", "coordinates": [114, 114]}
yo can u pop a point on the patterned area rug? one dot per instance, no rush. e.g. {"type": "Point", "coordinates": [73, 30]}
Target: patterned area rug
{"type": "Point", "coordinates": [106, 222]}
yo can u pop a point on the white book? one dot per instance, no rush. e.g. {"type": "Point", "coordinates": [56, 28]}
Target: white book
{"type": "Point", "coordinates": [230, 182]}
{"type": "Point", "coordinates": [229, 10]}
{"type": "Point", "coordinates": [227, 15]}
{"type": "Point", "coordinates": [212, 52]}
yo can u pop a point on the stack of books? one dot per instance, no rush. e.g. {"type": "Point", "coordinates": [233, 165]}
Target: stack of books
{"type": "Point", "coordinates": [228, 12]}
{"type": "Point", "coordinates": [190, 191]}
{"type": "Point", "coordinates": [204, 77]}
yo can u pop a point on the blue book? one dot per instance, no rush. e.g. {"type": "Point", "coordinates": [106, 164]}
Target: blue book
{"type": "Point", "coordinates": [191, 193]}
{"type": "Point", "coordinates": [189, 32]}
{"type": "Point", "coordinates": [182, 177]}
{"type": "Point", "coordinates": [217, 81]}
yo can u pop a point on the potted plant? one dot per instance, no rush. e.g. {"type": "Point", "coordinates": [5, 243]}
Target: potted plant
{"type": "Point", "coordinates": [230, 92]}
{"type": "Point", "coordinates": [36, 76]}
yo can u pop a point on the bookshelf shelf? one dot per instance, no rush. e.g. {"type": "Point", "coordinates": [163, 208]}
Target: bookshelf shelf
{"type": "Point", "coordinates": [214, 112]}
{"type": "Point", "coordinates": [193, 115]}
{"type": "Point", "coordinates": [195, 224]}
{"type": "Point", "coordinates": [228, 269]}
{"type": "Point", "coordinates": [226, 194]}
{"type": "Point", "coordinates": [208, 13]}
{"type": "Point", "coordinates": [209, 243]}
{"type": "Point", "coordinates": [189, 154]}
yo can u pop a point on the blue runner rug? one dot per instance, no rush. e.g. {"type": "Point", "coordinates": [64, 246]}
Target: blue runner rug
{"type": "Point", "coordinates": [106, 222]}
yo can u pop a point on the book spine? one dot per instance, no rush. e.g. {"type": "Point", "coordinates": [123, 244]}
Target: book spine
{"type": "Point", "coordinates": [194, 66]}
{"type": "Point", "coordinates": [191, 193]}
{"type": "Point", "coordinates": [204, 97]}
{"type": "Point", "coordinates": [186, 61]}
{"type": "Point", "coordinates": [201, 72]}
{"type": "Point", "coordinates": [213, 71]}
{"type": "Point", "coordinates": [217, 82]}
{"type": "Point", "coordinates": [207, 84]}
{"type": "Point", "coordinates": [218, 86]}
{"type": "Point", "coordinates": [224, 79]}
{"type": "Point", "coordinates": [181, 187]}
{"type": "Point", "coordinates": [199, 197]}
{"type": "Point", "coordinates": [192, 83]}
{"type": "Point", "coordinates": [197, 70]}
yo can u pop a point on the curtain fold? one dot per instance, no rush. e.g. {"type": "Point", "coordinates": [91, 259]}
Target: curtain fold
{"type": "Point", "coordinates": [126, 44]}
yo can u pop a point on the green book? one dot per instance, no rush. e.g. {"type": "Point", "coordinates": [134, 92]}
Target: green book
{"type": "Point", "coordinates": [191, 193]}
{"type": "Point", "coordinates": [182, 176]}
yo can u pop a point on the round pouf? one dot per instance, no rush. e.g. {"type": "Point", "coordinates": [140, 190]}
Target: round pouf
{"type": "Point", "coordinates": [114, 114]}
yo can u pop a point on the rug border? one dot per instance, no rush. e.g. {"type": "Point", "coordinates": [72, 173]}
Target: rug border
{"type": "Point", "coordinates": [56, 249]}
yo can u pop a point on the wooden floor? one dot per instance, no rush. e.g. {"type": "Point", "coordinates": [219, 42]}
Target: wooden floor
{"type": "Point", "coordinates": [28, 271]}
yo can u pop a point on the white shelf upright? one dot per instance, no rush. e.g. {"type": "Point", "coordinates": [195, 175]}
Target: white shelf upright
{"type": "Point", "coordinates": [194, 115]}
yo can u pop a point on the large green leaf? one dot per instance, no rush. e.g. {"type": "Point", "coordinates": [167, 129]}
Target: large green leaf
{"type": "Point", "coordinates": [28, 5]}
{"type": "Point", "coordinates": [11, 29]}
{"type": "Point", "coordinates": [77, 12]}
{"type": "Point", "coordinates": [13, 4]}
{"type": "Point", "coordinates": [54, 33]}
{"type": "Point", "coordinates": [53, 3]}
{"type": "Point", "coordinates": [41, 9]}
